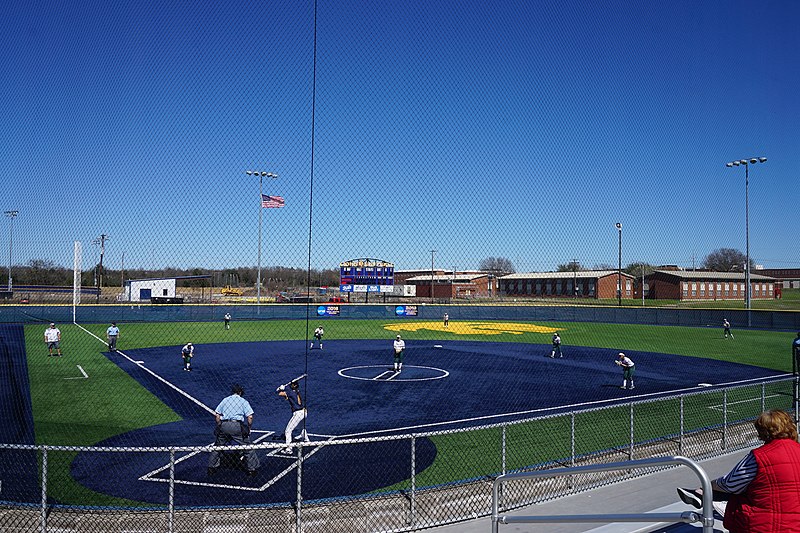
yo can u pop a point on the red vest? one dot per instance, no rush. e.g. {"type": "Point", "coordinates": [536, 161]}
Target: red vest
{"type": "Point", "coordinates": [771, 503]}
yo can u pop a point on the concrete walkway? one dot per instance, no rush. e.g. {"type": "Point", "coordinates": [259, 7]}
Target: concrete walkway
{"type": "Point", "coordinates": [651, 493]}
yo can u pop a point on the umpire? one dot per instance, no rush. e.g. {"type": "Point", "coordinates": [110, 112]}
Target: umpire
{"type": "Point", "coordinates": [234, 417]}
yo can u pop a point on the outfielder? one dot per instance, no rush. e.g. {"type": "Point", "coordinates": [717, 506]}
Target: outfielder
{"type": "Point", "coordinates": [299, 413]}
{"type": "Point", "coordinates": [726, 328]}
{"type": "Point", "coordinates": [627, 370]}
{"type": "Point", "coordinates": [227, 319]}
{"type": "Point", "coordinates": [318, 333]}
{"type": "Point", "coordinates": [399, 348]}
{"type": "Point", "coordinates": [187, 352]}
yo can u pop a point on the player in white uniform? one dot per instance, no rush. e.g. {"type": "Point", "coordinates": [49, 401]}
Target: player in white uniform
{"type": "Point", "coordinates": [187, 352]}
{"type": "Point", "coordinates": [627, 370]}
{"type": "Point", "coordinates": [318, 333]}
{"type": "Point", "coordinates": [399, 348]}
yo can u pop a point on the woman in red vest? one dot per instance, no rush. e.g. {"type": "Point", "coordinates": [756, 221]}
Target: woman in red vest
{"type": "Point", "coordinates": [763, 490]}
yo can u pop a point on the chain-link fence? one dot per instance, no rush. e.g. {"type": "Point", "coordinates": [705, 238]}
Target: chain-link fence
{"type": "Point", "coordinates": [50, 486]}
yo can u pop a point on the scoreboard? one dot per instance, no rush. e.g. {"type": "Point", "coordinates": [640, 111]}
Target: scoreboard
{"type": "Point", "coordinates": [366, 275]}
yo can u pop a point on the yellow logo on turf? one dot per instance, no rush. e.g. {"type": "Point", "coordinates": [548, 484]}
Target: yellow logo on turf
{"type": "Point", "coordinates": [473, 328]}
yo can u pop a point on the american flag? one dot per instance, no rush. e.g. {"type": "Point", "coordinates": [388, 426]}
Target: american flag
{"type": "Point", "coordinates": [272, 201]}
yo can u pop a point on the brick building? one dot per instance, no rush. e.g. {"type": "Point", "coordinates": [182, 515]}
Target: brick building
{"type": "Point", "coordinates": [703, 285]}
{"type": "Point", "coordinates": [596, 284]}
{"type": "Point", "coordinates": [454, 285]}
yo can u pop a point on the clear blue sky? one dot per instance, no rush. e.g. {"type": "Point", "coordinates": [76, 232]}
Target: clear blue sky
{"type": "Point", "coordinates": [516, 129]}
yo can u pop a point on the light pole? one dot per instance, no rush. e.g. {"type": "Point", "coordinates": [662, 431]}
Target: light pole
{"type": "Point", "coordinates": [619, 266]}
{"type": "Point", "coordinates": [260, 208]}
{"type": "Point", "coordinates": [432, 254]}
{"type": "Point", "coordinates": [746, 163]}
{"type": "Point", "coordinates": [101, 240]}
{"type": "Point", "coordinates": [12, 215]}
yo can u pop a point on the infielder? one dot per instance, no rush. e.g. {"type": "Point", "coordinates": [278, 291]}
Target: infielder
{"type": "Point", "coordinates": [556, 346]}
{"type": "Point", "coordinates": [299, 413]}
{"type": "Point", "coordinates": [318, 333]}
{"type": "Point", "coordinates": [399, 348]}
{"type": "Point", "coordinates": [627, 370]}
{"type": "Point", "coordinates": [187, 352]}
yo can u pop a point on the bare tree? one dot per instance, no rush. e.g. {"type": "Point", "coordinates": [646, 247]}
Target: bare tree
{"type": "Point", "coordinates": [725, 260]}
{"type": "Point", "coordinates": [572, 266]}
{"type": "Point", "coordinates": [499, 266]}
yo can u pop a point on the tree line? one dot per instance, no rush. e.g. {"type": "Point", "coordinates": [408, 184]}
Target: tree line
{"type": "Point", "coordinates": [43, 272]}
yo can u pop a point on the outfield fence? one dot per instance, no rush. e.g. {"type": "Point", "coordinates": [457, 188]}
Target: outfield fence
{"type": "Point", "coordinates": [657, 316]}
{"type": "Point", "coordinates": [43, 489]}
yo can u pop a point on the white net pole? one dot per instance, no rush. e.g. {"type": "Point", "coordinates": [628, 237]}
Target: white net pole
{"type": "Point", "coordinates": [76, 281]}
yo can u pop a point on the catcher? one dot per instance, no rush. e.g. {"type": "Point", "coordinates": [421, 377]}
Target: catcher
{"type": "Point", "coordinates": [627, 370]}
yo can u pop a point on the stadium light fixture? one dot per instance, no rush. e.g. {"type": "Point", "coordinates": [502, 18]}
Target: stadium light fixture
{"type": "Point", "coordinates": [12, 215]}
{"type": "Point", "coordinates": [261, 175]}
{"type": "Point", "coordinates": [746, 163]}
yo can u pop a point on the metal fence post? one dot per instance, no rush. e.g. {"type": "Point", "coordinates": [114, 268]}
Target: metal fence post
{"type": "Point", "coordinates": [412, 517]}
{"type": "Point", "coordinates": [503, 448]}
{"type": "Point", "coordinates": [171, 489]}
{"type": "Point", "coordinates": [572, 439]}
{"type": "Point", "coordinates": [630, 449]}
{"type": "Point", "coordinates": [763, 397]}
{"type": "Point", "coordinates": [299, 506]}
{"type": "Point", "coordinates": [44, 490]}
{"type": "Point", "coordinates": [725, 419]}
{"type": "Point", "coordinates": [680, 437]}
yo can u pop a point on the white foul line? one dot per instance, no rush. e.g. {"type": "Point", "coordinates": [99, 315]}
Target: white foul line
{"type": "Point", "coordinates": [164, 381]}
{"type": "Point", "coordinates": [85, 375]}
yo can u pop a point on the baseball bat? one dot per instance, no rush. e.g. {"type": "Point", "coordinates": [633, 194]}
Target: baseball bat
{"type": "Point", "coordinates": [298, 378]}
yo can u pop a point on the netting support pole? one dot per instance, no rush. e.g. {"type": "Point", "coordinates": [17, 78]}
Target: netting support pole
{"type": "Point", "coordinates": [763, 397]}
{"type": "Point", "coordinates": [412, 519]}
{"type": "Point", "coordinates": [44, 490]}
{"type": "Point", "coordinates": [171, 518]}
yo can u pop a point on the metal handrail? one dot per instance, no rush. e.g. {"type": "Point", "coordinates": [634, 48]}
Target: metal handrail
{"type": "Point", "coordinates": [706, 517]}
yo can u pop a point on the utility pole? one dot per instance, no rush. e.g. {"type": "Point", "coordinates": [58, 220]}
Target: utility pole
{"type": "Point", "coordinates": [432, 254]}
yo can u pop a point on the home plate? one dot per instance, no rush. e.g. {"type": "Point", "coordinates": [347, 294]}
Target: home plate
{"type": "Point", "coordinates": [437, 345]}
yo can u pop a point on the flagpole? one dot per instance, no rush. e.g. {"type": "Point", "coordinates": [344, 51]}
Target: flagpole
{"type": "Point", "coordinates": [260, 209]}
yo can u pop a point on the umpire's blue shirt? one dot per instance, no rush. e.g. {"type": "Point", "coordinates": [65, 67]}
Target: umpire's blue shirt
{"type": "Point", "coordinates": [234, 407]}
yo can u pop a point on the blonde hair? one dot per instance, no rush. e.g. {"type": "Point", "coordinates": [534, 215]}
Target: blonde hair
{"type": "Point", "coordinates": [775, 424]}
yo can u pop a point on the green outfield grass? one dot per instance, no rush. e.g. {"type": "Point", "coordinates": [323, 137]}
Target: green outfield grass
{"type": "Point", "coordinates": [116, 403]}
